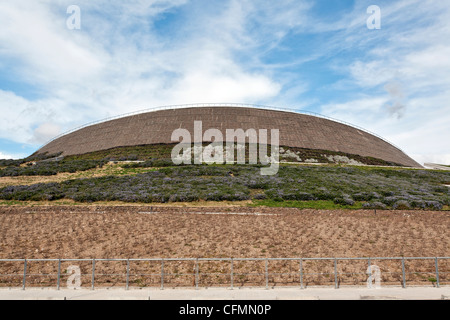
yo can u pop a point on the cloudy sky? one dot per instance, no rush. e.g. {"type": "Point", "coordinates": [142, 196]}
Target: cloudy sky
{"type": "Point", "coordinates": [317, 56]}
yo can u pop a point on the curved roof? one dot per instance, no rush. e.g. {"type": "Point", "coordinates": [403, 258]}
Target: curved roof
{"type": "Point", "coordinates": [296, 130]}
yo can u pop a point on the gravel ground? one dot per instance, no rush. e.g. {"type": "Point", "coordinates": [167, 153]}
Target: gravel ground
{"type": "Point", "coordinates": [75, 232]}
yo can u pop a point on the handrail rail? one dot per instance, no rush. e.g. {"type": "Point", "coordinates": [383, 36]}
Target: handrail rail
{"type": "Point", "coordinates": [222, 259]}
{"type": "Point", "coordinates": [437, 281]}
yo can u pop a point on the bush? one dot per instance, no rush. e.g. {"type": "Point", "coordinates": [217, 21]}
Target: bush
{"type": "Point", "coordinates": [51, 168]}
{"type": "Point", "coordinates": [11, 163]}
{"type": "Point", "coordinates": [161, 163]}
{"type": "Point", "coordinates": [418, 204]}
{"type": "Point", "coordinates": [43, 156]}
{"type": "Point", "coordinates": [324, 196]}
{"type": "Point", "coordinates": [401, 205]}
{"type": "Point", "coordinates": [260, 196]}
{"type": "Point", "coordinates": [345, 200]}
{"type": "Point", "coordinates": [391, 200]}
{"type": "Point", "coordinates": [275, 194]}
{"type": "Point", "coordinates": [132, 157]}
{"type": "Point", "coordinates": [365, 196]}
{"type": "Point", "coordinates": [183, 197]}
{"type": "Point", "coordinates": [257, 184]}
{"type": "Point", "coordinates": [303, 196]}
{"type": "Point", "coordinates": [433, 205]}
{"type": "Point", "coordinates": [374, 205]}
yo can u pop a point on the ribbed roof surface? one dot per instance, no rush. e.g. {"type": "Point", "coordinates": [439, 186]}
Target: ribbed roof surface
{"type": "Point", "coordinates": [296, 130]}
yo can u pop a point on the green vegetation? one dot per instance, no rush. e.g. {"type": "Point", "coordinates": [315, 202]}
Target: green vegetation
{"type": "Point", "coordinates": [432, 280]}
{"type": "Point", "coordinates": [132, 153]}
{"type": "Point", "coordinates": [163, 152]}
{"type": "Point", "coordinates": [48, 168]}
{"type": "Point", "coordinates": [34, 157]}
{"type": "Point", "coordinates": [321, 187]}
{"type": "Point", "coordinates": [154, 163]}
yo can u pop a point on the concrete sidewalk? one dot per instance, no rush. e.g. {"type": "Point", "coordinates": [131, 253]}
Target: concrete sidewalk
{"type": "Point", "coordinates": [348, 293]}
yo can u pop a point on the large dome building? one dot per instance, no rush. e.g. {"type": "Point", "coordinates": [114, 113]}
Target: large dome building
{"type": "Point", "coordinates": [296, 130]}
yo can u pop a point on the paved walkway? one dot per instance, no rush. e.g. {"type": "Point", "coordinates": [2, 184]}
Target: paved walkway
{"type": "Point", "coordinates": [348, 293]}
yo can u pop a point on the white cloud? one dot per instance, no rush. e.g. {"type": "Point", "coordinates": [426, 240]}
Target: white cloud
{"type": "Point", "coordinates": [9, 155]}
{"type": "Point", "coordinates": [45, 132]}
{"type": "Point", "coordinates": [105, 69]}
{"type": "Point", "coordinates": [20, 116]}
{"type": "Point", "coordinates": [432, 158]}
{"type": "Point", "coordinates": [409, 76]}
{"type": "Point", "coordinates": [372, 73]}
{"type": "Point", "coordinates": [38, 38]}
{"type": "Point", "coordinates": [422, 132]}
{"type": "Point", "coordinates": [5, 156]}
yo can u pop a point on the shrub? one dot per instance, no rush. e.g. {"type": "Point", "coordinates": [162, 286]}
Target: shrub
{"type": "Point", "coordinates": [391, 200]}
{"type": "Point", "coordinates": [239, 196]}
{"type": "Point", "coordinates": [51, 168]}
{"type": "Point", "coordinates": [303, 196]}
{"type": "Point", "coordinates": [345, 200]}
{"type": "Point", "coordinates": [374, 205]}
{"type": "Point", "coordinates": [260, 196]}
{"type": "Point", "coordinates": [365, 196]}
{"type": "Point", "coordinates": [434, 205]}
{"type": "Point", "coordinates": [183, 197]}
{"type": "Point", "coordinates": [419, 204]}
{"type": "Point", "coordinates": [275, 194]}
{"type": "Point", "coordinates": [441, 189]}
{"type": "Point", "coordinates": [132, 157]}
{"type": "Point", "coordinates": [257, 184]}
{"type": "Point", "coordinates": [11, 163]}
{"type": "Point", "coordinates": [401, 205]}
{"type": "Point", "coordinates": [324, 196]}
{"type": "Point", "coordinates": [387, 193]}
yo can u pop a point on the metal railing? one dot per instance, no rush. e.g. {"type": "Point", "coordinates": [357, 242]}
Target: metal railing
{"type": "Point", "coordinates": [230, 272]}
{"type": "Point", "coordinates": [242, 105]}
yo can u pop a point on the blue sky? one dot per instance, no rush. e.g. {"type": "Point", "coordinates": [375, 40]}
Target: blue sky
{"type": "Point", "coordinates": [303, 55]}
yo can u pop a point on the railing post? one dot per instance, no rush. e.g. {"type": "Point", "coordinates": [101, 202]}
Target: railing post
{"type": "Point", "coordinates": [24, 274]}
{"type": "Point", "coordinates": [335, 274]}
{"type": "Point", "coordinates": [128, 275]}
{"type": "Point", "coordinates": [403, 273]}
{"type": "Point", "coordinates": [196, 274]}
{"type": "Point", "coordinates": [267, 274]}
{"type": "Point", "coordinates": [437, 272]}
{"type": "Point", "coordinates": [59, 274]}
{"type": "Point", "coordinates": [93, 275]}
{"type": "Point", "coordinates": [162, 274]}
{"type": "Point", "coordinates": [232, 274]}
{"type": "Point", "coordinates": [301, 273]}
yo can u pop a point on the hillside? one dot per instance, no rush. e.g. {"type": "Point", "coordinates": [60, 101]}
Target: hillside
{"type": "Point", "coordinates": [158, 181]}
